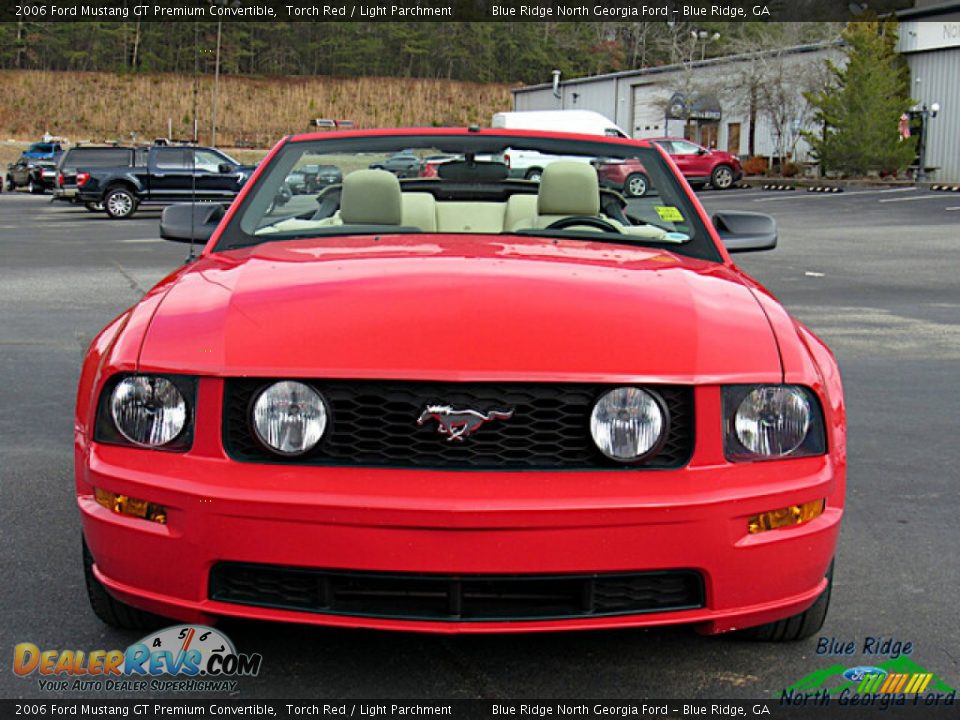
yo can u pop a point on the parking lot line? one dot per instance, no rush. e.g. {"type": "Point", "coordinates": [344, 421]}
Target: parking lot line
{"type": "Point", "coordinates": [731, 195]}
{"type": "Point", "coordinates": [919, 197]}
{"type": "Point", "coordinates": [810, 196]}
{"type": "Point", "coordinates": [954, 208]}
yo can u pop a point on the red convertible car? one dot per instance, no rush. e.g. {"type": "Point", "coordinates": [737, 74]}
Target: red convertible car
{"type": "Point", "coordinates": [463, 403]}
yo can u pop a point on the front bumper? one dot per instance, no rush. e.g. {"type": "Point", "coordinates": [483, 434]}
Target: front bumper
{"type": "Point", "coordinates": [459, 523]}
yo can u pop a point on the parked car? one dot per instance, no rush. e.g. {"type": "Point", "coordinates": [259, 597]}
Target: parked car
{"type": "Point", "coordinates": [462, 404]}
{"type": "Point", "coordinates": [170, 174]}
{"type": "Point", "coordinates": [530, 165]}
{"type": "Point", "coordinates": [700, 165]}
{"type": "Point", "coordinates": [311, 178]}
{"type": "Point", "coordinates": [403, 164]}
{"type": "Point", "coordinates": [37, 176]}
{"type": "Point", "coordinates": [628, 175]}
{"type": "Point", "coordinates": [73, 168]}
{"type": "Point", "coordinates": [432, 162]}
{"type": "Point", "coordinates": [586, 122]}
{"type": "Point", "coordinates": [44, 151]}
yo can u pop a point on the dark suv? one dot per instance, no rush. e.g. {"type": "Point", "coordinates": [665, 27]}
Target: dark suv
{"type": "Point", "coordinates": [72, 170]}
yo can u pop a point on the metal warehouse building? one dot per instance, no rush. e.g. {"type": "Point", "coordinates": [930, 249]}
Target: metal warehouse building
{"type": "Point", "coordinates": [706, 101]}
{"type": "Point", "coordinates": [930, 40]}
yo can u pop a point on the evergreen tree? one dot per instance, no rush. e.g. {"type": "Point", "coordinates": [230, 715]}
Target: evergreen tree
{"type": "Point", "coordinates": [860, 110]}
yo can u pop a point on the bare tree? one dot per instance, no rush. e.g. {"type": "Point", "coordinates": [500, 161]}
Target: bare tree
{"type": "Point", "coordinates": [765, 83]}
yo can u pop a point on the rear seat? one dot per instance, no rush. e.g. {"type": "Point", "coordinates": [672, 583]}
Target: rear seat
{"type": "Point", "coordinates": [423, 211]}
{"type": "Point", "coordinates": [419, 210]}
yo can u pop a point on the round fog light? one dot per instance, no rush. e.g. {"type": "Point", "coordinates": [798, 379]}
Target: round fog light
{"type": "Point", "coordinates": [289, 417]}
{"type": "Point", "coordinates": [627, 423]}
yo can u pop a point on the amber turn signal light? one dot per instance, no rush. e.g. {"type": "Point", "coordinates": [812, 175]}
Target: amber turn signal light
{"type": "Point", "coordinates": [133, 507]}
{"type": "Point", "coordinates": [784, 517]}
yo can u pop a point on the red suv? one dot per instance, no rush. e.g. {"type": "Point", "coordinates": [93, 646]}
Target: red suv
{"type": "Point", "coordinates": [701, 166]}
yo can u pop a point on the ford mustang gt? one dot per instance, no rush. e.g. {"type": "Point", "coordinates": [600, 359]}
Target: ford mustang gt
{"type": "Point", "coordinates": [462, 402]}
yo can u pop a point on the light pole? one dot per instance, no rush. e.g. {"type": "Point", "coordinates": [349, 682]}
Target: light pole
{"type": "Point", "coordinates": [703, 36]}
{"type": "Point", "coordinates": [925, 112]}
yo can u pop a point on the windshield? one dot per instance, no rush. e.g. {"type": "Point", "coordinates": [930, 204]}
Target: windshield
{"type": "Point", "coordinates": [469, 183]}
{"type": "Point", "coordinates": [44, 148]}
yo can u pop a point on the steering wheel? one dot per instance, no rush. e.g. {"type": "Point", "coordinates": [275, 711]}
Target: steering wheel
{"type": "Point", "coordinates": [583, 220]}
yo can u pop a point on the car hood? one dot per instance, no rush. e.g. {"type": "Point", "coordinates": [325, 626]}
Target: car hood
{"type": "Point", "coordinates": [723, 155]}
{"type": "Point", "coordinates": [461, 307]}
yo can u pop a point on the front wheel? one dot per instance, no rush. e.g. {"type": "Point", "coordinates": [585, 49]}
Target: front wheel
{"type": "Point", "coordinates": [120, 203]}
{"type": "Point", "coordinates": [110, 610]}
{"type": "Point", "coordinates": [11, 186]}
{"type": "Point", "coordinates": [796, 627]}
{"type": "Point", "coordinates": [722, 177]}
{"type": "Point", "coordinates": [636, 185]}
{"type": "Point", "coordinates": [534, 174]}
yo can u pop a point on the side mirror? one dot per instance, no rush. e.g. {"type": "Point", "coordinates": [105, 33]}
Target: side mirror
{"type": "Point", "coordinates": [187, 222]}
{"type": "Point", "coordinates": [703, 151]}
{"type": "Point", "coordinates": [226, 168]}
{"type": "Point", "coordinates": [746, 231]}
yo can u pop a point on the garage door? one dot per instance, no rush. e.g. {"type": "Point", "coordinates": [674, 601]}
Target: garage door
{"type": "Point", "coordinates": [648, 111]}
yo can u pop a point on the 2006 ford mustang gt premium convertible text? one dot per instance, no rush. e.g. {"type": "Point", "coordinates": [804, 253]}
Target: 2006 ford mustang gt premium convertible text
{"type": "Point", "coordinates": [462, 402]}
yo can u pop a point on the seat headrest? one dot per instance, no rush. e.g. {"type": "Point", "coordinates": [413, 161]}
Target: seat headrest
{"type": "Point", "coordinates": [568, 188]}
{"type": "Point", "coordinates": [371, 197]}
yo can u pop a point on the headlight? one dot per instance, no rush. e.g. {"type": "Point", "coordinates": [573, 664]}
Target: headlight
{"type": "Point", "coordinates": [289, 417]}
{"type": "Point", "coordinates": [771, 421]}
{"type": "Point", "coordinates": [627, 423]}
{"type": "Point", "coordinates": [148, 410]}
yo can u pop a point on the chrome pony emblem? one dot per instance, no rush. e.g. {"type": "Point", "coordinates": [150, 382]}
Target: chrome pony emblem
{"type": "Point", "coordinates": [457, 424]}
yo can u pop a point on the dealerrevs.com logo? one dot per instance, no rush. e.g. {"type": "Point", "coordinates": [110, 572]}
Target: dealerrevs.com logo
{"type": "Point", "coordinates": [179, 658]}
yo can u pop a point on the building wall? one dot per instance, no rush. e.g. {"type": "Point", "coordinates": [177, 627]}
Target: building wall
{"type": "Point", "coordinates": [932, 48]}
{"type": "Point", "coordinates": [636, 101]}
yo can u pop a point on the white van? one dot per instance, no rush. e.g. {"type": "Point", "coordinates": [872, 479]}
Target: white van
{"type": "Point", "coordinates": [586, 122]}
{"type": "Point", "coordinates": [529, 164]}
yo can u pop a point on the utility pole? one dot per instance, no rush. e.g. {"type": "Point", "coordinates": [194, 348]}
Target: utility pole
{"type": "Point", "coordinates": [216, 88]}
{"type": "Point", "coordinates": [196, 78]}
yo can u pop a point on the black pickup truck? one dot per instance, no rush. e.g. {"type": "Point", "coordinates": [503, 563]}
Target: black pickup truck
{"type": "Point", "coordinates": [171, 174]}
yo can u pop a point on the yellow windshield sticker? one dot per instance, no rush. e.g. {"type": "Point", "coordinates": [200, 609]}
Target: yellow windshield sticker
{"type": "Point", "coordinates": [668, 213]}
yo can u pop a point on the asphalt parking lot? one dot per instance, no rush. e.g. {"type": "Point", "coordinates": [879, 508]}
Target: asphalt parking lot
{"type": "Point", "coordinates": [874, 272]}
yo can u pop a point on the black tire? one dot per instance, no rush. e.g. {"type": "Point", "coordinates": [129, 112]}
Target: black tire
{"type": "Point", "coordinates": [795, 627]}
{"type": "Point", "coordinates": [10, 184]}
{"type": "Point", "coordinates": [120, 203]}
{"type": "Point", "coordinates": [94, 207]}
{"type": "Point", "coordinates": [110, 610]}
{"type": "Point", "coordinates": [534, 174]}
{"type": "Point", "coordinates": [636, 185]}
{"type": "Point", "coordinates": [722, 177]}
{"type": "Point", "coordinates": [35, 188]}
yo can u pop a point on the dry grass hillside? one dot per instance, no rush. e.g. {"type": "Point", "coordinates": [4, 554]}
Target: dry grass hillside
{"type": "Point", "coordinates": [252, 112]}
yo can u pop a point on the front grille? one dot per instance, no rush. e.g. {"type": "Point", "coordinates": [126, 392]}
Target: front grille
{"type": "Point", "coordinates": [455, 597]}
{"type": "Point", "coordinates": [374, 423]}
